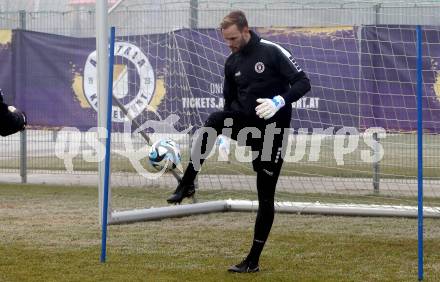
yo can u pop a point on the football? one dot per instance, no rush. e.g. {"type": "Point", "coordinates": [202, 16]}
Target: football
{"type": "Point", "coordinates": [164, 153]}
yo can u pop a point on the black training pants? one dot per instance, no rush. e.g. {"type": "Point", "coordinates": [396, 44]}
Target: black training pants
{"type": "Point", "coordinates": [268, 149]}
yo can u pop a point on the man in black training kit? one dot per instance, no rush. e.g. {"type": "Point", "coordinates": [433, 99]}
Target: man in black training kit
{"type": "Point", "coordinates": [12, 120]}
{"type": "Point", "coordinates": [262, 80]}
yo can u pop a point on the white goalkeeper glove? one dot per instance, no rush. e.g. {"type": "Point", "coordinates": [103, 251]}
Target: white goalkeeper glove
{"type": "Point", "coordinates": [269, 107]}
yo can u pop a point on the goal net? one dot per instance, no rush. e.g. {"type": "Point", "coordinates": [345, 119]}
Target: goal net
{"type": "Point", "coordinates": [353, 136]}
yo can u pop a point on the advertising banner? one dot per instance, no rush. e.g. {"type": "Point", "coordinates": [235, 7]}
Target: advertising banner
{"type": "Point", "coordinates": [361, 77]}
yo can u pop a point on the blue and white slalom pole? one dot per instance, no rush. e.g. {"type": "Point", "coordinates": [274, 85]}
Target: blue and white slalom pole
{"type": "Point", "coordinates": [107, 146]}
{"type": "Point", "coordinates": [420, 151]}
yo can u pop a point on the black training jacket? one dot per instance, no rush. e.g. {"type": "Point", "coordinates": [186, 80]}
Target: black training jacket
{"type": "Point", "coordinates": [262, 69]}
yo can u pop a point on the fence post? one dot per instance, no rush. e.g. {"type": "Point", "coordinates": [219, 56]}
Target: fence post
{"type": "Point", "coordinates": [23, 156]}
{"type": "Point", "coordinates": [23, 134]}
{"type": "Point", "coordinates": [22, 19]}
{"type": "Point", "coordinates": [194, 14]}
{"type": "Point", "coordinates": [377, 14]}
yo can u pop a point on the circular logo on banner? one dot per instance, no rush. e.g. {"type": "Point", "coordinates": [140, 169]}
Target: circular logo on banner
{"type": "Point", "coordinates": [259, 67]}
{"type": "Point", "coordinates": [133, 80]}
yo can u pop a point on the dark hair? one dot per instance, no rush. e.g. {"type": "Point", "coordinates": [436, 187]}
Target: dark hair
{"type": "Point", "coordinates": [235, 17]}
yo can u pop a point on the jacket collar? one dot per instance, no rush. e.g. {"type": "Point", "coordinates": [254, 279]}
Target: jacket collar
{"type": "Point", "coordinates": [252, 43]}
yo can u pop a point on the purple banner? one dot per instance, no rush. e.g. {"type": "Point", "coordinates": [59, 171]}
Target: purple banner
{"type": "Point", "coordinates": [328, 55]}
{"type": "Point", "coordinates": [389, 78]}
{"type": "Point", "coordinates": [6, 74]}
{"type": "Point", "coordinates": [330, 58]}
{"type": "Point", "coordinates": [56, 77]}
{"type": "Point", "coordinates": [358, 82]}
{"type": "Point", "coordinates": [45, 68]}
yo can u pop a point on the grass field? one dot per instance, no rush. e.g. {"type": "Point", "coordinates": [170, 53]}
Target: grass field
{"type": "Point", "coordinates": [50, 233]}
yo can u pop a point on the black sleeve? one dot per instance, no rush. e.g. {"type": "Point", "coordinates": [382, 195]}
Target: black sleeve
{"type": "Point", "coordinates": [298, 80]}
{"type": "Point", "coordinates": [3, 107]}
{"type": "Point", "coordinates": [229, 87]}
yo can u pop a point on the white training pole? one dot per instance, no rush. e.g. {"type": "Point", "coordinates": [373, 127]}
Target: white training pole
{"type": "Point", "coordinates": [119, 217]}
{"type": "Point", "coordinates": [102, 76]}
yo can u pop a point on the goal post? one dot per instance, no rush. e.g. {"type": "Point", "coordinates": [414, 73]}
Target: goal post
{"type": "Point", "coordinates": [102, 40]}
{"type": "Point", "coordinates": [305, 208]}
{"type": "Point", "coordinates": [352, 135]}
{"type": "Point", "coordinates": [349, 136]}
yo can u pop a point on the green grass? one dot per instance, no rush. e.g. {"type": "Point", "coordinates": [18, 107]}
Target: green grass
{"type": "Point", "coordinates": [50, 233]}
